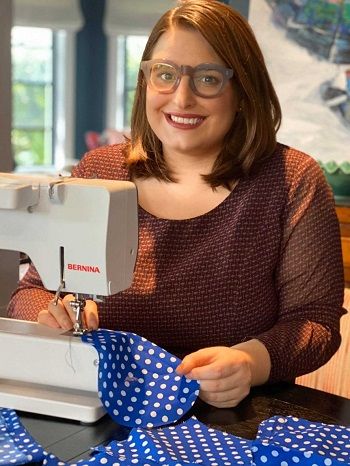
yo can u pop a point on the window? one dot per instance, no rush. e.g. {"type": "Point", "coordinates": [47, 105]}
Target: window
{"type": "Point", "coordinates": [42, 90]}
{"type": "Point", "coordinates": [127, 25]}
{"type": "Point", "coordinates": [43, 57]}
{"type": "Point", "coordinates": [133, 46]}
{"type": "Point", "coordinates": [32, 95]}
{"type": "Point", "coordinates": [125, 53]}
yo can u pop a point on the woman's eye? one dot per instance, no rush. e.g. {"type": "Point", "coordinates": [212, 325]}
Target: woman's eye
{"type": "Point", "coordinates": [167, 76]}
{"type": "Point", "coordinates": [164, 74]}
{"type": "Point", "coordinates": [208, 80]}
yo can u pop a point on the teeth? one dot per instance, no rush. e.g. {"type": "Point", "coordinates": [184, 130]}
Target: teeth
{"type": "Point", "coordinates": [185, 121]}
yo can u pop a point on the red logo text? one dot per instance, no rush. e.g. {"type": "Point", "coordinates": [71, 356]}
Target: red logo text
{"type": "Point", "coordinates": [84, 268]}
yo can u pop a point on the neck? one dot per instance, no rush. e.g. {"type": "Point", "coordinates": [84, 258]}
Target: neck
{"type": "Point", "coordinates": [184, 166]}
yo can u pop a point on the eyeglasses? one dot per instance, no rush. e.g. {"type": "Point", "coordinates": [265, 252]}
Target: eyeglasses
{"type": "Point", "coordinates": [206, 79]}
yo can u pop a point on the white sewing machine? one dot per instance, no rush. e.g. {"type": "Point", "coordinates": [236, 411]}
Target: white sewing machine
{"type": "Point", "coordinates": [82, 236]}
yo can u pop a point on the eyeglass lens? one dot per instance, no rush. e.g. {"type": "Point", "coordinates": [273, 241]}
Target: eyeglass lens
{"type": "Point", "coordinates": [164, 77]}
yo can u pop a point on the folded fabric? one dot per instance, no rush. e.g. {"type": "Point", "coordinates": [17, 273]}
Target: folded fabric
{"type": "Point", "coordinates": [324, 444]}
{"type": "Point", "coordinates": [273, 455]}
{"type": "Point", "coordinates": [16, 444]}
{"type": "Point", "coordinates": [188, 443]}
{"type": "Point", "coordinates": [137, 381]}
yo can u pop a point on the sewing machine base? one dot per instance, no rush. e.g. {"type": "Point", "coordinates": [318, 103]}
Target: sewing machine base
{"type": "Point", "coordinates": [49, 401]}
{"type": "Point", "coordinates": [48, 371]}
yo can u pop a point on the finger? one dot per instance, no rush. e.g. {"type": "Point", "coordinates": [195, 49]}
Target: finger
{"type": "Point", "coordinates": [91, 315]}
{"type": "Point", "coordinates": [196, 359]}
{"type": "Point", "coordinates": [219, 385]}
{"type": "Point", "coordinates": [238, 378]}
{"type": "Point", "coordinates": [69, 310]}
{"type": "Point", "coordinates": [228, 397]}
{"type": "Point", "coordinates": [60, 314]}
{"type": "Point", "coordinates": [45, 318]}
{"type": "Point", "coordinates": [212, 371]}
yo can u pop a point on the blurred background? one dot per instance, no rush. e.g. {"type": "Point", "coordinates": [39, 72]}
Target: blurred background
{"type": "Point", "coordinates": [67, 76]}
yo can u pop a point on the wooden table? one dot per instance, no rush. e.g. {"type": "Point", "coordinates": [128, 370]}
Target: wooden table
{"type": "Point", "coordinates": [71, 441]}
{"type": "Point", "coordinates": [343, 213]}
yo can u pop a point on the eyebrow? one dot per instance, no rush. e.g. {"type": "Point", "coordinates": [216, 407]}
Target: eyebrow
{"type": "Point", "coordinates": [172, 62]}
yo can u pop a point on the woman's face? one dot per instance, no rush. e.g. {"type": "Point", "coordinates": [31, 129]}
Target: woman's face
{"type": "Point", "coordinates": [183, 121]}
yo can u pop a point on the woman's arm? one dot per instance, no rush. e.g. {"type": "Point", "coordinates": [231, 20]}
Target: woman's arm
{"type": "Point", "coordinates": [309, 279]}
{"type": "Point", "coordinates": [29, 298]}
{"type": "Point", "coordinates": [309, 283]}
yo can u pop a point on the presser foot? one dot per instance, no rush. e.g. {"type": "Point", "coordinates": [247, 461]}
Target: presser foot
{"type": "Point", "coordinates": [78, 305]}
{"type": "Point", "coordinates": [78, 331]}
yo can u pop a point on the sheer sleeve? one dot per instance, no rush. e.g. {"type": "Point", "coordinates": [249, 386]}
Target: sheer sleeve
{"type": "Point", "coordinates": [29, 298]}
{"type": "Point", "coordinates": [309, 279]}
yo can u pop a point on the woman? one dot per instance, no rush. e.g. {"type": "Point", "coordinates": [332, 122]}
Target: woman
{"type": "Point", "coordinates": [239, 266]}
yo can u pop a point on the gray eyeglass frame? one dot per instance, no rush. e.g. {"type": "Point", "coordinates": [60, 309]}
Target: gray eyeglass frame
{"type": "Point", "coordinates": [187, 70]}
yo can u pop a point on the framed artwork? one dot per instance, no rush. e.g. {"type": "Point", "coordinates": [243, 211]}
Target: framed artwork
{"type": "Point", "coordinates": [306, 44]}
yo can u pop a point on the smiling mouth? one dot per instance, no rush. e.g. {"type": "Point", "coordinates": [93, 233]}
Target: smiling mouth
{"type": "Point", "coordinates": [189, 122]}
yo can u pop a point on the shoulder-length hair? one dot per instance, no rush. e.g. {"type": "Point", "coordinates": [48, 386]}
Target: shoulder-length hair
{"type": "Point", "coordinates": [252, 136]}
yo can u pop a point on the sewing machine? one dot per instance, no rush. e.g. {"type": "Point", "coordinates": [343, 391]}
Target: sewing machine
{"type": "Point", "coordinates": [82, 236]}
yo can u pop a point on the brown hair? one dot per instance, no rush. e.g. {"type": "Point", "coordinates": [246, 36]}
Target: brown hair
{"type": "Point", "coordinates": [252, 136]}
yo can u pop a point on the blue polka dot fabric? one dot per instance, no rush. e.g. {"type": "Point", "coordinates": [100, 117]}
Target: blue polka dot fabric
{"type": "Point", "coordinates": [286, 441]}
{"type": "Point", "coordinates": [137, 381]}
{"type": "Point", "coordinates": [16, 445]}
{"type": "Point", "coordinates": [189, 443]}
{"type": "Point", "coordinates": [265, 454]}
{"type": "Point", "coordinates": [139, 387]}
{"type": "Point", "coordinates": [281, 441]}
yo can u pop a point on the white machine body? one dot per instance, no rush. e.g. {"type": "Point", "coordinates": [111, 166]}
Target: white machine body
{"type": "Point", "coordinates": [48, 371]}
{"type": "Point", "coordinates": [82, 235]}
{"type": "Point", "coordinates": [85, 228]}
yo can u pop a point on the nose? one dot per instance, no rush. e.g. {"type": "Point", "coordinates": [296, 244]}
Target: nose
{"type": "Point", "coordinates": [183, 95]}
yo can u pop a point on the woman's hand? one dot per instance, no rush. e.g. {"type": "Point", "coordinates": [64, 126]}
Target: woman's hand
{"type": "Point", "coordinates": [226, 374]}
{"type": "Point", "coordinates": [61, 315]}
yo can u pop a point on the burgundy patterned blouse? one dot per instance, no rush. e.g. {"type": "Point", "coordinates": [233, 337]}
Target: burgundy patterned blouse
{"type": "Point", "coordinates": [265, 263]}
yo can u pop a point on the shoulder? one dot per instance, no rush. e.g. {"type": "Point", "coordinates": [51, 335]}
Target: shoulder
{"type": "Point", "coordinates": [290, 177]}
{"type": "Point", "coordinates": [298, 162]}
{"type": "Point", "coordinates": [304, 182]}
{"type": "Point", "coordinates": [292, 161]}
{"type": "Point", "coordinates": [295, 168]}
{"type": "Point", "coordinates": [105, 162]}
